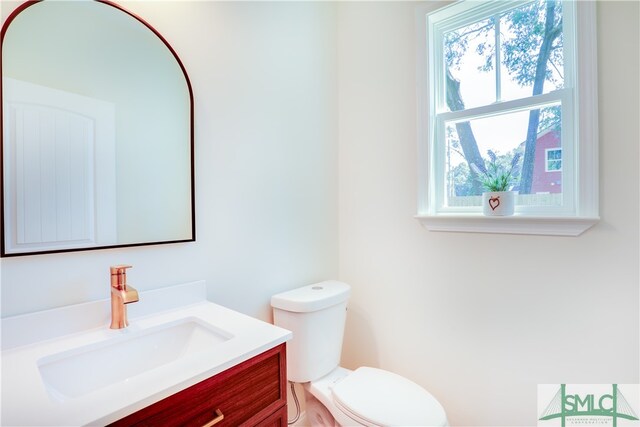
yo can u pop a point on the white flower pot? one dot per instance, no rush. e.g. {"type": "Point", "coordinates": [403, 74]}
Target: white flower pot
{"type": "Point", "coordinates": [498, 203]}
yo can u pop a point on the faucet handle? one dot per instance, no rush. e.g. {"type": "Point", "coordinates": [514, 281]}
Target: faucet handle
{"type": "Point", "coordinates": [119, 276]}
{"type": "Point", "coordinates": [118, 269]}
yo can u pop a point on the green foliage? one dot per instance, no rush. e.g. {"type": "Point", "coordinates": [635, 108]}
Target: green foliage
{"type": "Point", "coordinates": [550, 118]}
{"type": "Point", "coordinates": [456, 42]}
{"type": "Point", "coordinates": [462, 180]}
{"type": "Point", "coordinates": [497, 176]}
{"type": "Point", "coordinates": [520, 52]}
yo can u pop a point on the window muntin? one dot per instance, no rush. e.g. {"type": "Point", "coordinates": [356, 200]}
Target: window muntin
{"type": "Point", "coordinates": [496, 103]}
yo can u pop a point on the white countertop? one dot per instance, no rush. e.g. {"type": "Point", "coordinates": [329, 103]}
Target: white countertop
{"type": "Point", "coordinates": [27, 339]}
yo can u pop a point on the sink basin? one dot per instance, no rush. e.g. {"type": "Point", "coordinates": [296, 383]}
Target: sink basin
{"type": "Point", "coordinates": [79, 371]}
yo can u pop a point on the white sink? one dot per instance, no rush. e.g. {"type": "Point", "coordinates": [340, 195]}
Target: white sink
{"type": "Point", "coordinates": [76, 372]}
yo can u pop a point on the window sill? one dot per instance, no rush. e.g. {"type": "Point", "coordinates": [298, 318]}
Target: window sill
{"type": "Point", "coordinates": [517, 224]}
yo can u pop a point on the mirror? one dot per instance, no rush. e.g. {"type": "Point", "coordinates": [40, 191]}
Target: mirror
{"type": "Point", "coordinates": [97, 131]}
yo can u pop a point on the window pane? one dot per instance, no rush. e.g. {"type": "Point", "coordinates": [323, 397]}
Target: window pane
{"type": "Point", "coordinates": [505, 137]}
{"type": "Point", "coordinates": [554, 155]}
{"type": "Point", "coordinates": [523, 32]}
{"type": "Point", "coordinates": [470, 56]}
{"type": "Point", "coordinates": [554, 159]}
{"type": "Point", "coordinates": [468, 50]}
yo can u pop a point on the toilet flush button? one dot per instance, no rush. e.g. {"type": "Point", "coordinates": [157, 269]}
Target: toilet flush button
{"type": "Point", "coordinates": [317, 288]}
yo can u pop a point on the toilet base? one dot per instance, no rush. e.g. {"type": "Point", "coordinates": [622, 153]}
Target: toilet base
{"type": "Point", "coordinates": [317, 415]}
{"type": "Point", "coordinates": [320, 392]}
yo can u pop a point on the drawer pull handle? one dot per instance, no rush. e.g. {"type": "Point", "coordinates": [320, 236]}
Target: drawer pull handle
{"type": "Point", "coordinates": [219, 417]}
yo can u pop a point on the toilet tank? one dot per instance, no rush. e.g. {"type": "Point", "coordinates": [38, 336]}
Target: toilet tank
{"type": "Point", "coordinates": [316, 315]}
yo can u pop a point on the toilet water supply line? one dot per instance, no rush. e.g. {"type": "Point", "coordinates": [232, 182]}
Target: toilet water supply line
{"type": "Point", "coordinates": [295, 399]}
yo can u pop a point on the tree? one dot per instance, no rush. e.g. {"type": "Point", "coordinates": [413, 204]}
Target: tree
{"type": "Point", "coordinates": [552, 31]}
{"type": "Point", "coordinates": [530, 57]}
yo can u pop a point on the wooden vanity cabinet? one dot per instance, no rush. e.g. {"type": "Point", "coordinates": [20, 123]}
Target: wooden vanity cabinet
{"type": "Point", "coordinates": [252, 393]}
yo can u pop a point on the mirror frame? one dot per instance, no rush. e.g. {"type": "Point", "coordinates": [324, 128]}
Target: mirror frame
{"type": "Point", "coordinates": [3, 253]}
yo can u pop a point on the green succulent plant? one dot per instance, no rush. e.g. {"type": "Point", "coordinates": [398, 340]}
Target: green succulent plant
{"type": "Point", "coordinates": [496, 177]}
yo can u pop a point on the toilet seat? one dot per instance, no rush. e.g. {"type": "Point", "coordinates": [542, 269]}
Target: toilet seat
{"type": "Point", "coordinates": [374, 397]}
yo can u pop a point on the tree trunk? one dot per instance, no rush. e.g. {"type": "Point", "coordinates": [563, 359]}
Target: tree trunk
{"type": "Point", "coordinates": [465, 133]}
{"type": "Point", "coordinates": [550, 34]}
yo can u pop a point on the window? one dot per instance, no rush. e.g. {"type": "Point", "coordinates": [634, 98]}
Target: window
{"type": "Point", "coordinates": [554, 159]}
{"type": "Point", "coordinates": [501, 79]}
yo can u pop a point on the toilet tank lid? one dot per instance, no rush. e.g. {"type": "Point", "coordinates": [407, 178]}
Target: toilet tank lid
{"type": "Point", "coordinates": [312, 297]}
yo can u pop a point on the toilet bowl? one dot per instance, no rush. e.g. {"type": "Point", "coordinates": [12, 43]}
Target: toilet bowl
{"type": "Point", "coordinates": [334, 395]}
{"type": "Point", "coordinates": [370, 397]}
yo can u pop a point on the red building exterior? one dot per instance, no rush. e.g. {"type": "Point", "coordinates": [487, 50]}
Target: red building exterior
{"type": "Point", "coordinates": [547, 167]}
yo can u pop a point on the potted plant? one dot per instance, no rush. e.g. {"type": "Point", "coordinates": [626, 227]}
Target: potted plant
{"type": "Point", "coordinates": [497, 180]}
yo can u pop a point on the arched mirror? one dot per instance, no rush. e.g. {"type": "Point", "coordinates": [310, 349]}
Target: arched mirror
{"type": "Point", "coordinates": [97, 131]}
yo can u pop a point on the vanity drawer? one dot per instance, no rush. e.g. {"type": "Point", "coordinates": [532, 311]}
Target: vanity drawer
{"type": "Point", "coordinates": [251, 393]}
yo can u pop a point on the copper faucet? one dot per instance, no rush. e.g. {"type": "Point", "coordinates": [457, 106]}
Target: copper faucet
{"type": "Point", "coordinates": [121, 294]}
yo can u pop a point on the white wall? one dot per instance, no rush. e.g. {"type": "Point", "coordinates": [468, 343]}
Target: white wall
{"type": "Point", "coordinates": [264, 78]}
{"type": "Point", "coordinates": [433, 306]}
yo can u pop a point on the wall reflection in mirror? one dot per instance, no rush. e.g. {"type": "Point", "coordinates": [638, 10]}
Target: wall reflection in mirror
{"type": "Point", "coordinates": [97, 132]}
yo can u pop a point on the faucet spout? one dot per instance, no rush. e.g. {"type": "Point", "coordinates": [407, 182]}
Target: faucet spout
{"type": "Point", "coordinates": [121, 294]}
{"type": "Point", "coordinates": [129, 295]}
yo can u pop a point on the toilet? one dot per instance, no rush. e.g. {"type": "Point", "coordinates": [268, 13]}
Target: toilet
{"type": "Point", "coordinates": [336, 396]}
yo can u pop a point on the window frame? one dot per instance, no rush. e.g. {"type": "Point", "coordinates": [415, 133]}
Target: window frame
{"type": "Point", "coordinates": [547, 160]}
{"type": "Point", "coordinates": [580, 171]}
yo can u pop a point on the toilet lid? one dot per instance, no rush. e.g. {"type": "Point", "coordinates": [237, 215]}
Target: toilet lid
{"type": "Point", "coordinates": [375, 397]}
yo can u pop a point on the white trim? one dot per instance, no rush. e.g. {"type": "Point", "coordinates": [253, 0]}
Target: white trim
{"type": "Point", "coordinates": [586, 106]}
{"type": "Point", "coordinates": [505, 107]}
{"type": "Point", "coordinates": [517, 224]}
{"type": "Point", "coordinates": [423, 108]}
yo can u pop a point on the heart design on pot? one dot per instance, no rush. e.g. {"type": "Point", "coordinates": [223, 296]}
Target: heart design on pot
{"type": "Point", "coordinates": [494, 202]}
